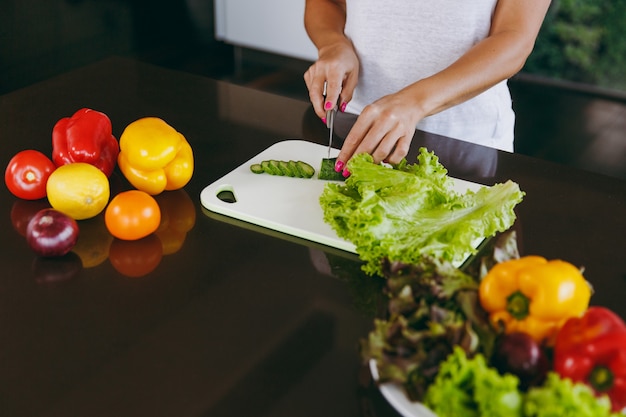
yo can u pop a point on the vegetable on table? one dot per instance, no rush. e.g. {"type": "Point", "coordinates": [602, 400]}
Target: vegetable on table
{"type": "Point", "coordinates": [560, 397]}
{"type": "Point", "coordinates": [132, 215]}
{"type": "Point", "coordinates": [154, 156]}
{"type": "Point", "coordinates": [592, 349]}
{"type": "Point", "coordinates": [519, 354]}
{"type": "Point", "coordinates": [87, 137]}
{"type": "Point", "coordinates": [432, 307]}
{"type": "Point", "coordinates": [469, 387]}
{"type": "Point", "coordinates": [27, 173]}
{"type": "Point", "coordinates": [534, 296]}
{"type": "Point", "coordinates": [295, 169]}
{"type": "Point", "coordinates": [51, 233]}
{"type": "Point", "coordinates": [327, 171]}
{"type": "Point", "coordinates": [412, 210]}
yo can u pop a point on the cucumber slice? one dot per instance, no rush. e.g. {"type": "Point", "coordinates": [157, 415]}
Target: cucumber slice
{"type": "Point", "coordinates": [275, 169]}
{"type": "Point", "coordinates": [285, 169]}
{"type": "Point", "coordinates": [306, 170]}
{"type": "Point", "coordinates": [257, 168]}
{"type": "Point", "coordinates": [293, 166]}
{"type": "Point", "coordinates": [266, 167]}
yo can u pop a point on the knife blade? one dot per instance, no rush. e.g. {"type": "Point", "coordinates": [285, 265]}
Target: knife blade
{"type": "Point", "coordinates": [330, 118]}
{"type": "Point", "coordinates": [330, 121]}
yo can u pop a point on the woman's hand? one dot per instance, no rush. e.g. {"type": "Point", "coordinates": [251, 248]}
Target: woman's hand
{"type": "Point", "coordinates": [338, 66]}
{"type": "Point", "coordinates": [384, 129]}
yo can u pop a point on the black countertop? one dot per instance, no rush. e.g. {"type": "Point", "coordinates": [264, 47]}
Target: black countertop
{"type": "Point", "coordinates": [231, 321]}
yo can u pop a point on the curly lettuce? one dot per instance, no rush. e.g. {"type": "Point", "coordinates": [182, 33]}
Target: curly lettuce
{"type": "Point", "coordinates": [469, 387]}
{"type": "Point", "coordinates": [408, 211]}
{"type": "Point", "coordinates": [560, 397]}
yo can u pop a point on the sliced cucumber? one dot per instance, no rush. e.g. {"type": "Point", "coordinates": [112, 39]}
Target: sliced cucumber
{"type": "Point", "coordinates": [298, 169]}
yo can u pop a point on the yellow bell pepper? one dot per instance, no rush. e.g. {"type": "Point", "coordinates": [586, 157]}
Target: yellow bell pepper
{"type": "Point", "coordinates": [155, 157]}
{"type": "Point", "coordinates": [534, 296]}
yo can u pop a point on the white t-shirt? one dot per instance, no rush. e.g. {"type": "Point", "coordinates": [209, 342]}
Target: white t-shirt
{"type": "Point", "coordinates": [399, 42]}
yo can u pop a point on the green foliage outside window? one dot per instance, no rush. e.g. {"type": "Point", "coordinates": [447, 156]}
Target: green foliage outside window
{"type": "Point", "coordinates": [583, 41]}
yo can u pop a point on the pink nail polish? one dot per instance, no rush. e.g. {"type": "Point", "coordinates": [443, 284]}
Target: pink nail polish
{"type": "Point", "coordinates": [328, 105]}
{"type": "Point", "coordinates": [343, 107]}
{"type": "Point", "coordinates": [345, 173]}
{"type": "Point", "coordinates": [339, 166]}
{"type": "Point", "coordinates": [324, 120]}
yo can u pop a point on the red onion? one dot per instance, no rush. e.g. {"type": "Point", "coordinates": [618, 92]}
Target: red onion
{"type": "Point", "coordinates": [51, 233]}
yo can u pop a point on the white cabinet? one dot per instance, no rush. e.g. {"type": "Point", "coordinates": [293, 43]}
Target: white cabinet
{"type": "Point", "coordinates": [275, 26]}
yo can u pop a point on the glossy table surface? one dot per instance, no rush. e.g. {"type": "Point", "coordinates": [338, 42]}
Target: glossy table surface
{"type": "Point", "coordinates": [217, 318]}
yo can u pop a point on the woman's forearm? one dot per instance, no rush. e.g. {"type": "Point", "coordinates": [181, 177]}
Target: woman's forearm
{"type": "Point", "coordinates": [498, 57]}
{"type": "Point", "coordinates": [324, 21]}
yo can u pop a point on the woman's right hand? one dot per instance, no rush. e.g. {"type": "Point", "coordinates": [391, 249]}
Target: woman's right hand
{"type": "Point", "coordinates": [338, 66]}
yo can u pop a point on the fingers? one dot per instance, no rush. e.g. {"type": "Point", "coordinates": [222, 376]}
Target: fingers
{"type": "Point", "coordinates": [349, 84]}
{"type": "Point", "coordinates": [315, 85]}
{"type": "Point", "coordinates": [401, 149]}
{"type": "Point", "coordinates": [324, 93]}
{"type": "Point", "coordinates": [338, 67]}
{"type": "Point", "coordinates": [385, 137]}
{"type": "Point", "coordinates": [333, 89]}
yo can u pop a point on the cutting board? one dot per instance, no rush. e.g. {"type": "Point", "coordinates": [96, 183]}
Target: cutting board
{"type": "Point", "coordinates": [284, 204]}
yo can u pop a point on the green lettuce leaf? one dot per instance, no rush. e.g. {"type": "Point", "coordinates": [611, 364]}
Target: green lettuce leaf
{"type": "Point", "coordinates": [559, 397]}
{"type": "Point", "coordinates": [469, 387]}
{"type": "Point", "coordinates": [405, 212]}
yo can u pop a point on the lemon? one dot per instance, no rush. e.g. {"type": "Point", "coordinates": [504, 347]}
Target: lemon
{"type": "Point", "coordinates": [79, 190]}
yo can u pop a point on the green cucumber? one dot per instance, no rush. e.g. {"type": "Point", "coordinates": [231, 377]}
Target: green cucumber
{"type": "Point", "coordinates": [298, 169]}
{"type": "Point", "coordinates": [327, 171]}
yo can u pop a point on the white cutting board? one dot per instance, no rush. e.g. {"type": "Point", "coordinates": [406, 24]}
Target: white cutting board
{"type": "Point", "coordinates": [287, 205]}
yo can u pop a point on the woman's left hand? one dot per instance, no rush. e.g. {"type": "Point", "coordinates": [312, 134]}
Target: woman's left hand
{"type": "Point", "coordinates": [384, 129]}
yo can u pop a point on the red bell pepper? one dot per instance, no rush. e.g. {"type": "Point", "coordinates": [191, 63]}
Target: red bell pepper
{"type": "Point", "coordinates": [85, 137]}
{"type": "Point", "coordinates": [592, 349]}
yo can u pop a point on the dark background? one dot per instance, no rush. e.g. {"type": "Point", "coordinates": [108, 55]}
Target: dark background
{"type": "Point", "coordinates": [42, 38]}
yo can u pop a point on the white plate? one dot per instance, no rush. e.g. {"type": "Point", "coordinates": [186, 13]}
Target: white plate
{"type": "Point", "coordinates": [395, 394]}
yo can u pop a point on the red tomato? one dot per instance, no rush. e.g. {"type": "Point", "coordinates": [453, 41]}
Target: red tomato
{"type": "Point", "coordinates": [132, 215]}
{"type": "Point", "coordinates": [27, 174]}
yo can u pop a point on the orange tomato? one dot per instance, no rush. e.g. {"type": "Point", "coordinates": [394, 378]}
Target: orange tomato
{"type": "Point", "coordinates": [132, 215]}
